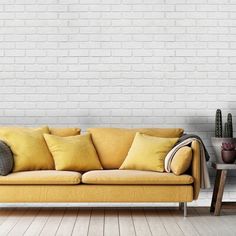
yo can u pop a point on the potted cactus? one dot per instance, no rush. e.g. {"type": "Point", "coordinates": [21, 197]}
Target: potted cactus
{"type": "Point", "coordinates": [228, 153]}
{"type": "Point", "coordinates": [222, 135]}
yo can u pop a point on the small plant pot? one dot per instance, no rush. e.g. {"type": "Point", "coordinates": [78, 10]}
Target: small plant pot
{"type": "Point", "coordinates": [217, 143]}
{"type": "Point", "coordinates": [228, 157]}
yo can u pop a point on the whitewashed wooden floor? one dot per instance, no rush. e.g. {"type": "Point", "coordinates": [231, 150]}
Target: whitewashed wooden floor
{"type": "Point", "coordinates": [114, 222]}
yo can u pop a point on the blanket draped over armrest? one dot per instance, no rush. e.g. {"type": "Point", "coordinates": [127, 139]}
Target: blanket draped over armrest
{"type": "Point", "coordinates": [186, 139]}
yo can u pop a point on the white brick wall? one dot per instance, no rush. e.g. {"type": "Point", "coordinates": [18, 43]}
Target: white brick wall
{"type": "Point", "coordinates": [118, 63]}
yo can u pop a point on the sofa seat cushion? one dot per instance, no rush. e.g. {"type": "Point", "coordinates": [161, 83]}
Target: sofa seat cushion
{"type": "Point", "coordinates": [45, 177]}
{"type": "Point", "coordinates": [130, 177]}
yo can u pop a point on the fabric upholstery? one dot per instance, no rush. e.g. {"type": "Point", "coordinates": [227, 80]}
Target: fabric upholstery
{"type": "Point", "coordinates": [64, 186]}
{"type": "Point", "coordinates": [126, 177]}
{"type": "Point", "coordinates": [47, 177]}
{"type": "Point", "coordinates": [196, 168]}
{"type": "Point", "coordinates": [113, 144]}
{"type": "Point", "coordinates": [148, 153]}
{"type": "Point", "coordinates": [29, 148]}
{"type": "Point", "coordinates": [73, 153]}
{"type": "Point", "coordinates": [95, 193]}
{"type": "Point", "coordinates": [64, 132]}
{"type": "Point", "coordinates": [6, 159]}
{"type": "Point", "coordinates": [181, 160]}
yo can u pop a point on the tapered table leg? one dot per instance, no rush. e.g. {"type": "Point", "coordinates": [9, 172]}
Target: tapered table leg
{"type": "Point", "coordinates": [215, 191]}
{"type": "Point", "coordinates": [219, 197]}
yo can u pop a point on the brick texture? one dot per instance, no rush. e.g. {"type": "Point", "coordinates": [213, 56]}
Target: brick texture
{"type": "Point", "coordinates": [127, 63]}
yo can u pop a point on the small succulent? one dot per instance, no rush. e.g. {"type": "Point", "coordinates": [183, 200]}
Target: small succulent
{"type": "Point", "coordinates": [228, 146]}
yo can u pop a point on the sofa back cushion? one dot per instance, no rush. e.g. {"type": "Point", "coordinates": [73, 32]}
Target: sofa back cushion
{"type": "Point", "coordinates": [113, 144]}
{"type": "Point", "coordinates": [64, 132]}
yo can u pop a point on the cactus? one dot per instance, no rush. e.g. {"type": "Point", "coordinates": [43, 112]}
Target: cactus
{"type": "Point", "coordinates": [226, 130]}
{"type": "Point", "coordinates": [218, 124]}
{"type": "Point", "coordinates": [230, 125]}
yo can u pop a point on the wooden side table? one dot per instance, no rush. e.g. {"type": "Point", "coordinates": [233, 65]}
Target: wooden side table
{"type": "Point", "coordinates": [221, 175]}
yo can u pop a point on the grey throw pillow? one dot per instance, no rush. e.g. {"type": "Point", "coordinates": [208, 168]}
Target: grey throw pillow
{"type": "Point", "coordinates": [6, 159]}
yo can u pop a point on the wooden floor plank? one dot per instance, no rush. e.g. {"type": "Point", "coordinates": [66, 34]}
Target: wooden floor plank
{"type": "Point", "coordinates": [96, 225]}
{"type": "Point", "coordinates": [23, 224]}
{"type": "Point", "coordinates": [67, 224]}
{"type": "Point", "coordinates": [228, 217]}
{"type": "Point", "coordinates": [12, 220]}
{"type": "Point", "coordinates": [140, 223]}
{"type": "Point", "coordinates": [155, 224]}
{"type": "Point", "coordinates": [39, 221]}
{"type": "Point", "coordinates": [82, 222]}
{"type": "Point", "coordinates": [4, 214]}
{"type": "Point", "coordinates": [111, 226]}
{"type": "Point", "coordinates": [184, 223]}
{"type": "Point", "coordinates": [200, 223]}
{"type": "Point", "coordinates": [215, 222]}
{"type": "Point", "coordinates": [53, 222]}
{"type": "Point", "coordinates": [115, 222]}
{"type": "Point", "coordinates": [126, 223]}
{"type": "Point", "coordinates": [169, 223]}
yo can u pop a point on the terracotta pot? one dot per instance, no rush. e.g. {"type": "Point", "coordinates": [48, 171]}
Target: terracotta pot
{"type": "Point", "coordinates": [228, 157]}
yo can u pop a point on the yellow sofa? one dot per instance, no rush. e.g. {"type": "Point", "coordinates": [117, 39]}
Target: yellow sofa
{"type": "Point", "coordinates": [109, 185]}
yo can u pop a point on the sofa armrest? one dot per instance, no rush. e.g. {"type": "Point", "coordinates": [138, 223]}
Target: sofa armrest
{"type": "Point", "coordinates": [196, 165]}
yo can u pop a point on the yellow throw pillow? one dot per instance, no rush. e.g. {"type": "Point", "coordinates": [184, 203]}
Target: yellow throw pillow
{"type": "Point", "coordinates": [75, 153]}
{"type": "Point", "coordinates": [64, 132]}
{"type": "Point", "coordinates": [181, 160]}
{"type": "Point", "coordinates": [148, 153]}
{"type": "Point", "coordinates": [29, 148]}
